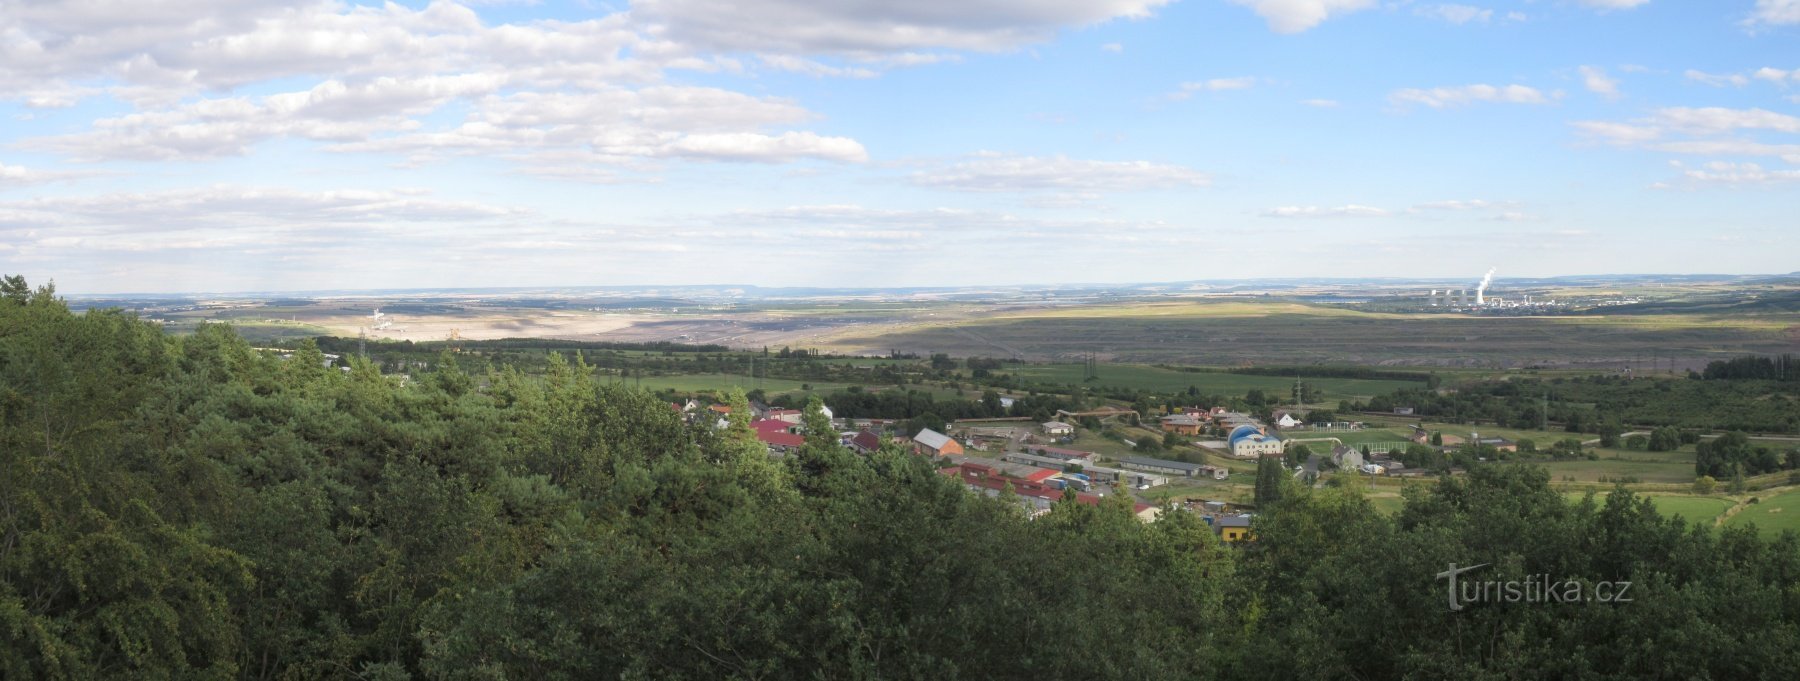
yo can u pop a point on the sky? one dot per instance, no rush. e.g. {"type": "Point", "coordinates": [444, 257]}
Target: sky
{"type": "Point", "coordinates": [242, 145]}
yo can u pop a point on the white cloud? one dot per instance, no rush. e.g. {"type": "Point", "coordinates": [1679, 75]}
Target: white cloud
{"type": "Point", "coordinates": [1348, 211]}
{"type": "Point", "coordinates": [1775, 13]}
{"type": "Point", "coordinates": [19, 176]}
{"type": "Point", "coordinates": [1455, 14]}
{"type": "Point", "coordinates": [1716, 80]}
{"type": "Point", "coordinates": [613, 126]}
{"type": "Point", "coordinates": [1597, 82]}
{"type": "Point", "coordinates": [1442, 97]}
{"type": "Point", "coordinates": [1114, 48]}
{"type": "Point", "coordinates": [1294, 16]}
{"type": "Point", "coordinates": [1776, 76]}
{"type": "Point", "coordinates": [1321, 103]}
{"type": "Point", "coordinates": [1502, 211]}
{"type": "Point", "coordinates": [874, 28]}
{"type": "Point", "coordinates": [381, 72]}
{"type": "Point", "coordinates": [1188, 89]}
{"type": "Point", "coordinates": [237, 217]}
{"type": "Point", "coordinates": [1711, 131]}
{"type": "Point", "coordinates": [1721, 173]}
{"type": "Point", "coordinates": [1613, 4]}
{"type": "Point", "coordinates": [810, 67]}
{"type": "Point", "coordinates": [760, 148]}
{"type": "Point", "coordinates": [1008, 173]}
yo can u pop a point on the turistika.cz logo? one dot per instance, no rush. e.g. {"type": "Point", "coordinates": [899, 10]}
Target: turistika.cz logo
{"type": "Point", "coordinates": [1531, 589]}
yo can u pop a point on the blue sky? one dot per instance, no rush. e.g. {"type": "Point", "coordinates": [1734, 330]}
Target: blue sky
{"type": "Point", "coordinates": [204, 145]}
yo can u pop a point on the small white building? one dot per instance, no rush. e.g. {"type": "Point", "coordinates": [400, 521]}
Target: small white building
{"type": "Point", "coordinates": [1058, 429]}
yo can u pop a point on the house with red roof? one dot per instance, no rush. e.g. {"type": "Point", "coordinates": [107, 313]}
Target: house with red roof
{"type": "Point", "coordinates": [1036, 496]}
{"type": "Point", "coordinates": [865, 442]}
{"type": "Point", "coordinates": [780, 436]}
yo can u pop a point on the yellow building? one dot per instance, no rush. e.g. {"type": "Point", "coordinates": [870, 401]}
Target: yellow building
{"type": "Point", "coordinates": [1233, 527]}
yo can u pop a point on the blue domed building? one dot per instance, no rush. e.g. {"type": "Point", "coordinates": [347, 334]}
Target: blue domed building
{"type": "Point", "coordinates": [1249, 442]}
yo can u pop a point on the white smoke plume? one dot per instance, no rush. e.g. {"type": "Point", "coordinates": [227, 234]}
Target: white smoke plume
{"type": "Point", "coordinates": [1482, 289]}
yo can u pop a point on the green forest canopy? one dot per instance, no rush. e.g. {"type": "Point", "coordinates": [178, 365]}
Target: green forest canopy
{"type": "Point", "coordinates": [192, 508]}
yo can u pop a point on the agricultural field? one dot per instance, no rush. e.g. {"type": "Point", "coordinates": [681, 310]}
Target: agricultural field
{"type": "Point", "coordinates": [1229, 333]}
{"type": "Point", "coordinates": [1159, 379]}
{"type": "Point", "coordinates": [702, 382]}
{"type": "Point", "coordinates": [1771, 515]}
{"type": "Point", "coordinates": [1583, 470]}
{"type": "Point", "coordinates": [1694, 509]}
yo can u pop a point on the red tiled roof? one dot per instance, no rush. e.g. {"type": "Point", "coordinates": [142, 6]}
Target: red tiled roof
{"type": "Point", "coordinates": [776, 433]}
{"type": "Point", "coordinates": [867, 440]}
{"type": "Point", "coordinates": [982, 476]}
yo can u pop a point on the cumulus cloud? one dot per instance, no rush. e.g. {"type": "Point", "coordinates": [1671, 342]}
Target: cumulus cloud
{"type": "Point", "coordinates": [1294, 16]}
{"type": "Point", "coordinates": [784, 62]}
{"type": "Point", "coordinates": [382, 72]}
{"type": "Point", "coordinates": [1502, 211]}
{"type": "Point", "coordinates": [1347, 211]}
{"type": "Point", "coordinates": [1320, 103]}
{"type": "Point", "coordinates": [1780, 77]}
{"type": "Point", "coordinates": [1187, 90]}
{"type": "Point", "coordinates": [1716, 79]}
{"type": "Point", "coordinates": [1713, 131]}
{"type": "Point", "coordinates": [1775, 13]}
{"type": "Point", "coordinates": [614, 125]}
{"type": "Point", "coordinates": [1455, 14]}
{"type": "Point", "coordinates": [1444, 97]}
{"type": "Point", "coordinates": [1597, 82]}
{"type": "Point", "coordinates": [230, 217]}
{"type": "Point", "coordinates": [862, 29]}
{"type": "Point", "coordinates": [19, 176]}
{"type": "Point", "coordinates": [1613, 4]}
{"type": "Point", "coordinates": [1074, 179]}
{"type": "Point", "coordinates": [1737, 175]}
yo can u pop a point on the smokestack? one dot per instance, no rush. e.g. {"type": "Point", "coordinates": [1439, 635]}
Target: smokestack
{"type": "Point", "coordinates": [1482, 289]}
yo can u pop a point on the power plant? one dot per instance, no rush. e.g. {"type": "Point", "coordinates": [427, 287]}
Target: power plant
{"type": "Point", "coordinates": [1459, 299]}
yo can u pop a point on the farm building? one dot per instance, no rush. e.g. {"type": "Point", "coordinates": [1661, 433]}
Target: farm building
{"type": "Point", "coordinates": [1057, 428]}
{"type": "Point", "coordinates": [1181, 468]}
{"type": "Point", "coordinates": [1071, 455]}
{"type": "Point", "coordinates": [1249, 442]}
{"type": "Point", "coordinates": [931, 442]}
{"type": "Point", "coordinates": [1133, 479]}
{"type": "Point", "coordinates": [1035, 460]}
{"type": "Point", "coordinates": [1181, 424]}
{"type": "Point", "coordinates": [1499, 443]}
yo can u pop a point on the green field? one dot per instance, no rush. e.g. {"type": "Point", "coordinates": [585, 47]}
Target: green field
{"type": "Point", "coordinates": [1158, 379]}
{"type": "Point", "coordinates": [700, 382]}
{"type": "Point", "coordinates": [1229, 332]}
{"type": "Point", "coordinates": [1701, 510]}
{"type": "Point", "coordinates": [1583, 470]}
{"type": "Point", "coordinates": [1771, 515]}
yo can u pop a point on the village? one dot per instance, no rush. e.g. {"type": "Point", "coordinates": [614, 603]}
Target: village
{"type": "Point", "coordinates": [1036, 464]}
